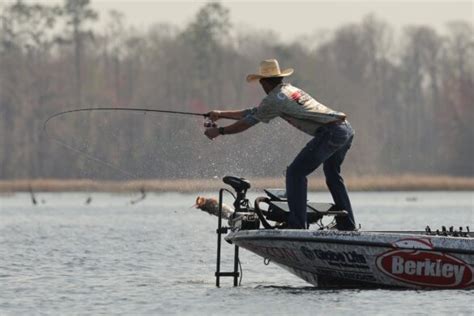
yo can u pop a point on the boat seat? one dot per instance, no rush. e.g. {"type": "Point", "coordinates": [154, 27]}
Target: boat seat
{"type": "Point", "coordinates": [278, 211]}
{"type": "Point", "coordinates": [276, 194]}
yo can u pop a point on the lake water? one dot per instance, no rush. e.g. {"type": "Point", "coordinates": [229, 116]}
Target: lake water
{"type": "Point", "coordinates": [64, 256]}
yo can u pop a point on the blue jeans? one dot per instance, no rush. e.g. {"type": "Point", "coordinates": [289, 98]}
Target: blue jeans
{"type": "Point", "coordinates": [328, 147]}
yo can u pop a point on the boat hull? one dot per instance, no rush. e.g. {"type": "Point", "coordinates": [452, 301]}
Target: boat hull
{"type": "Point", "coordinates": [366, 259]}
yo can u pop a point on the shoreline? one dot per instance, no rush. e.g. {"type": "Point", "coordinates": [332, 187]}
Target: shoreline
{"type": "Point", "coordinates": [354, 183]}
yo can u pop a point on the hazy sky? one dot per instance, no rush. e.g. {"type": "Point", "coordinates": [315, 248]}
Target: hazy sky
{"type": "Point", "coordinates": [292, 18]}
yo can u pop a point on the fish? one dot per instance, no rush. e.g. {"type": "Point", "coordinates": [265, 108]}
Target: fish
{"type": "Point", "coordinates": [211, 206]}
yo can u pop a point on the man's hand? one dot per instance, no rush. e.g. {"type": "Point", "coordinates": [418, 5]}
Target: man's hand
{"type": "Point", "coordinates": [211, 132]}
{"type": "Point", "coordinates": [214, 115]}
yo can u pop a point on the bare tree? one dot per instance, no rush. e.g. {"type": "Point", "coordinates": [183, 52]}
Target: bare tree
{"type": "Point", "coordinates": [78, 13]}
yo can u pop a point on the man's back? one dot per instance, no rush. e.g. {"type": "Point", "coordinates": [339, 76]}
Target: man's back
{"type": "Point", "coordinates": [296, 107]}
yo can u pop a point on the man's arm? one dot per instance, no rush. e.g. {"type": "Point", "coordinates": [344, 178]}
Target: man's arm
{"type": "Point", "coordinates": [237, 127]}
{"type": "Point", "coordinates": [233, 115]}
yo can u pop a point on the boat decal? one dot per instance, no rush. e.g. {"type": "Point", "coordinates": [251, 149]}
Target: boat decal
{"type": "Point", "coordinates": [425, 268]}
{"type": "Point", "coordinates": [418, 243]}
{"type": "Point", "coordinates": [338, 233]}
{"type": "Point", "coordinates": [314, 276]}
{"type": "Point", "coordinates": [343, 274]}
{"type": "Point", "coordinates": [272, 252]}
{"type": "Point", "coordinates": [343, 259]}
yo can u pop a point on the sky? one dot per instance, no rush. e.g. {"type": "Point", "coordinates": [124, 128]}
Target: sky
{"type": "Point", "coordinates": [291, 19]}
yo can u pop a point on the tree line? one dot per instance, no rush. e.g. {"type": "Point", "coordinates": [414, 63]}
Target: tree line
{"type": "Point", "coordinates": [409, 95]}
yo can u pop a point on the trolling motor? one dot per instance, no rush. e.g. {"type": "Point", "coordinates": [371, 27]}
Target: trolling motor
{"type": "Point", "coordinates": [244, 217]}
{"type": "Point", "coordinates": [240, 186]}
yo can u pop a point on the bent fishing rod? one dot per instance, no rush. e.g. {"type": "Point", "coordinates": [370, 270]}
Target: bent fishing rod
{"type": "Point", "coordinates": [130, 110]}
{"type": "Point", "coordinates": [101, 161]}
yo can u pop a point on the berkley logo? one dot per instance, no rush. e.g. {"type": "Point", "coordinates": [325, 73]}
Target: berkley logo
{"type": "Point", "coordinates": [425, 268]}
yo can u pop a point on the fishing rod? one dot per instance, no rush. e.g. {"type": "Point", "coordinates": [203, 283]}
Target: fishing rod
{"type": "Point", "coordinates": [103, 162]}
{"type": "Point", "coordinates": [130, 110]}
{"type": "Point", "coordinates": [205, 115]}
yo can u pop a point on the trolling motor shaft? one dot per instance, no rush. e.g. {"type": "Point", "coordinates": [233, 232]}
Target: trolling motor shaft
{"type": "Point", "coordinates": [220, 230]}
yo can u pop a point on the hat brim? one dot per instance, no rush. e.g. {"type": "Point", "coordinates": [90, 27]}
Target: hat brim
{"type": "Point", "coordinates": [285, 73]}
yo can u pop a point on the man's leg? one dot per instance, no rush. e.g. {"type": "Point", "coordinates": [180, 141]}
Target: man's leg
{"type": "Point", "coordinates": [335, 183]}
{"type": "Point", "coordinates": [310, 158]}
{"type": "Point", "coordinates": [296, 191]}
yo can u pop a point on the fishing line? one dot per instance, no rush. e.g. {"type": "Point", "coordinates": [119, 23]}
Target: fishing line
{"type": "Point", "coordinates": [96, 159]}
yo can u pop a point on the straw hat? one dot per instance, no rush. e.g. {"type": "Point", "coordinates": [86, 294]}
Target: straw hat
{"type": "Point", "coordinates": [269, 68]}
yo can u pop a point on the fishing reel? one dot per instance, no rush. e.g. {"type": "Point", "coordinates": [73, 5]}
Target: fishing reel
{"type": "Point", "coordinates": [208, 123]}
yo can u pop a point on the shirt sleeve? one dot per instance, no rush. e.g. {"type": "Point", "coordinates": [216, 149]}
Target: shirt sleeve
{"type": "Point", "coordinates": [266, 111]}
{"type": "Point", "coordinates": [249, 118]}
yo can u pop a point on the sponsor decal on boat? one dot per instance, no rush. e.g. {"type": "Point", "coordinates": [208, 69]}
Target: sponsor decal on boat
{"type": "Point", "coordinates": [313, 277]}
{"type": "Point", "coordinates": [357, 276]}
{"type": "Point", "coordinates": [275, 253]}
{"type": "Point", "coordinates": [418, 243]}
{"type": "Point", "coordinates": [345, 259]}
{"type": "Point", "coordinates": [423, 267]}
{"type": "Point", "coordinates": [335, 233]}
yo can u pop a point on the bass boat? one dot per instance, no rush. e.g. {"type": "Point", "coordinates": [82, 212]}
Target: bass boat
{"type": "Point", "coordinates": [326, 257]}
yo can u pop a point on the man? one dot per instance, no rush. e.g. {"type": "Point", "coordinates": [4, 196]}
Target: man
{"type": "Point", "coordinates": [332, 138]}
